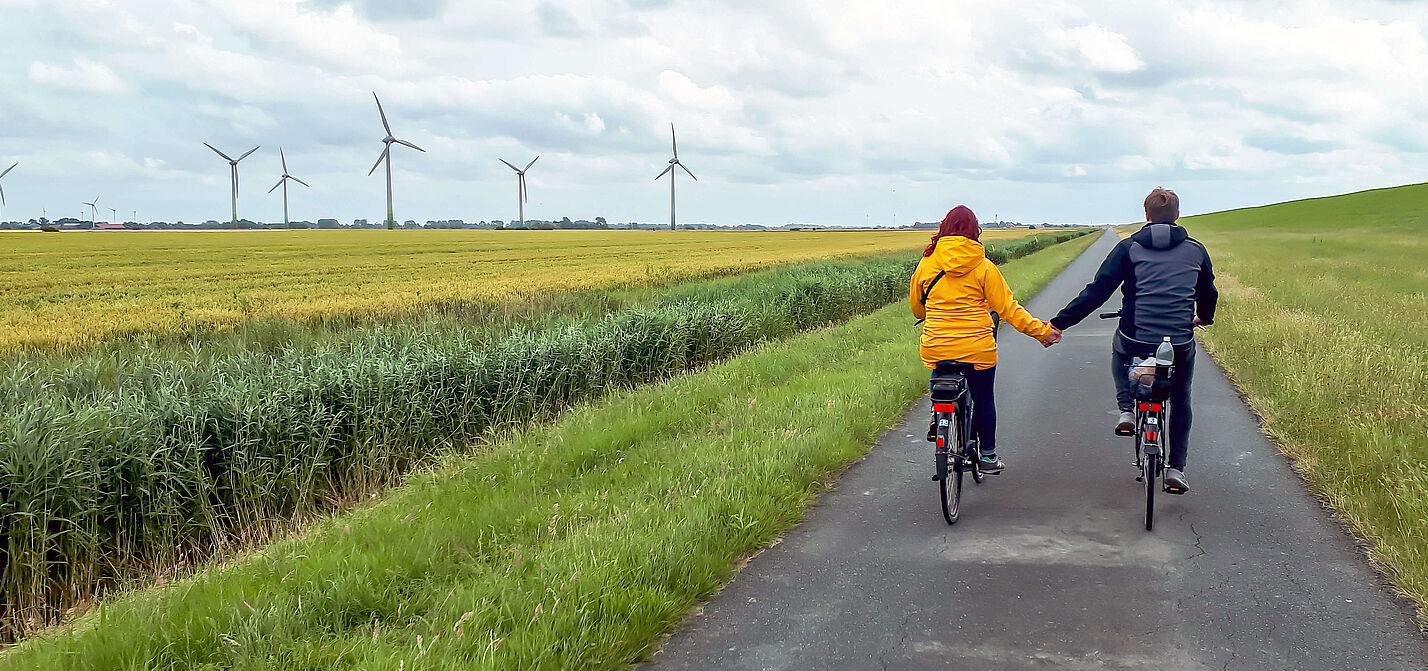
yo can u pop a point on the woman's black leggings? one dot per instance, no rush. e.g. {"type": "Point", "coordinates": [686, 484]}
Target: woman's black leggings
{"type": "Point", "coordinates": [984, 407]}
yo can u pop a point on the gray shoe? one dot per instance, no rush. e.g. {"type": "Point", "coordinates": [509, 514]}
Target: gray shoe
{"type": "Point", "coordinates": [1175, 482]}
{"type": "Point", "coordinates": [1125, 425]}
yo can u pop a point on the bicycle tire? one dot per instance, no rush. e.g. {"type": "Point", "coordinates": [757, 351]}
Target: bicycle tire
{"type": "Point", "coordinates": [951, 500]}
{"type": "Point", "coordinates": [1152, 479]}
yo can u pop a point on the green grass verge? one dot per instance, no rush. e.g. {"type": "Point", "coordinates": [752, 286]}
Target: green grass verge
{"type": "Point", "coordinates": [1321, 325]}
{"type": "Point", "coordinates": [573, 545]}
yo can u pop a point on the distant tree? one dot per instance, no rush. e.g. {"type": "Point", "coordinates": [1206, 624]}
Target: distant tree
{"type": "Point", "coordinates": [600, 221]}
{"type": "Point", "coordinates": [328, 223]}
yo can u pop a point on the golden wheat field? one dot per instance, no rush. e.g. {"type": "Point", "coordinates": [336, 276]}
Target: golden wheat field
{"type": "Point", "coordinates": [78, 287]}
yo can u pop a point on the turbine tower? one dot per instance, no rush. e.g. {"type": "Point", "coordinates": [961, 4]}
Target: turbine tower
{"type": "Point", "coordinates": [673, 162]}
{"type": "Point", "coordinates": [113, 215]}
{"type": "Point", "coordinates": [2, 176]}
{"type": "Point", "coordinates": [284, 183]}
{"type": "Point", "coordinates": [387, 156]}
{"type": "Point", "coordinates": [233, 166]}
{"type": "Point", "coordinates": [521, 194]}
{"type": "Point", "coordinates": [94, 212]}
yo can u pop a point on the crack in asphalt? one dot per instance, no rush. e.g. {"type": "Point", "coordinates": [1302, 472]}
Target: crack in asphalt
{"type": "Point", "coordinates": [1198, 539]}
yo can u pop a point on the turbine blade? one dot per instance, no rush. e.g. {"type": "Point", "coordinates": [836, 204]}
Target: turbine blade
{"type": "Point", "coordinates": [2, 195]}
{"type": "Point", "coordinates": [96, 201]}
{"type": "Point", "coordinates": [681, 166]}
{"type": "Point", "coordinates": [673, 143]}
{"type": "Point", "coordinates": [384, 114]}
{"type": "Point", "coordinates": [411, 145]}
{"type": "Point", "coordinates": [215, 150]}
{"type": "Point", "coordinates": [381, 158]}
{"type": "Point", "coordinates": [247, 153]}
{"type": "Point", "coordinates": [298, 181]}
{"type": "Point", "coordinates": [284, 159]}
{"type": "Point", "coordinates": [671, 167]}
{"type": "Point", "coordinates": [528, 165]}
{"type": "Point", "coordinates": [525, 192]}
{"type": "Point", "coordinates": [275, 186]}
{"type": "Point", "coordinates": [508, 164]}
{"type": "Point", "coordinates": [7, 170]}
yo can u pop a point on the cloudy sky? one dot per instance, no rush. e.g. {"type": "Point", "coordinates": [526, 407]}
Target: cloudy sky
{"type": "Point", "coordinates": [823, 111]}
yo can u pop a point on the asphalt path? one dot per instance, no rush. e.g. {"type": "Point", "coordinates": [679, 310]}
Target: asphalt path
{"type": "Point", "coordinates": [1050, 567]}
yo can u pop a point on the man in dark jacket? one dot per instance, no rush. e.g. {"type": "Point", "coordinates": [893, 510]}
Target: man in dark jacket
{"type": "Point", "coordinates": [1167, 289]}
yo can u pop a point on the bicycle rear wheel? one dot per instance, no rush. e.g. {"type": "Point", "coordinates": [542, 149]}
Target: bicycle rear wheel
{"type": "Point", "coordinates": [1152, 481]}
{"type": "Point", "coordinates": [952, 482]}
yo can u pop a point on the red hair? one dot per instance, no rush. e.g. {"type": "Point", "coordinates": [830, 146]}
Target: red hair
{"type": "Point", "coordinates": [959, 221]}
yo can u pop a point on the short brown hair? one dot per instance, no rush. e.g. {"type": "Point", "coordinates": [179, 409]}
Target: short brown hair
{"type": "Point", "coordinates": [1162, 206]}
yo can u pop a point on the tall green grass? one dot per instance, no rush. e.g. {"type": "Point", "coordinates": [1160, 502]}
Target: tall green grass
{"type": "Point", "coordinates": [1321, 324]}
{"type": "Point", "coordinates": [115, 467]}
{"type": "Point", "coordinates": [567, 546]}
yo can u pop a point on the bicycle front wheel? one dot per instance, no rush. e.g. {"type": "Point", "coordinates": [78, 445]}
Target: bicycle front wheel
{"type": "Point", "coordinates": [952, 482]}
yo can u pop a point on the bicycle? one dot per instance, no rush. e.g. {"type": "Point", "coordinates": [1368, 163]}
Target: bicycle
{"type": "Point", "coordinates": [1152, 409]}
{"type": "Point", "coordinates": [957, 452]}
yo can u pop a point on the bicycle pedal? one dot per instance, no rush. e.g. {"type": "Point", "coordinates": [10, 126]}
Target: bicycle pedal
{"type": "Point", "coordinates": [1125, 432]}
{"type": "Point", "coordinates": [1175, 490]}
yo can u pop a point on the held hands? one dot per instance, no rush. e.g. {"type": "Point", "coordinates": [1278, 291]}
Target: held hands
{"type": "Point", "coordinates": [1051, 338]}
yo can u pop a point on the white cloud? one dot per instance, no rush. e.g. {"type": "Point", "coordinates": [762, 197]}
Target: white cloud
{"type": "Point", "coordinates": [81, 74]}
{"type": "Point", "coordinates": [1094, 47]}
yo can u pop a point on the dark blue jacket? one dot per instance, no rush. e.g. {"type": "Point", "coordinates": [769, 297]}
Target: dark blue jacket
{"type": "Point", "coordinates": [1165, 280]}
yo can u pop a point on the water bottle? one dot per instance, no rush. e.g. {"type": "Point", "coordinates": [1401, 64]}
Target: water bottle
{"type": "Point", "coordinates": [1165, 353]}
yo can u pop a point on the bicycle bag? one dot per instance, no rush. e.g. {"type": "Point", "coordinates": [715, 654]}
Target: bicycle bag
{"type": "Point", "coordinates": [947, 389]}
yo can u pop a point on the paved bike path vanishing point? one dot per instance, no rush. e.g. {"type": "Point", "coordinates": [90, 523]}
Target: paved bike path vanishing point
{"type": "Point", "coordinates": [1050, 567]}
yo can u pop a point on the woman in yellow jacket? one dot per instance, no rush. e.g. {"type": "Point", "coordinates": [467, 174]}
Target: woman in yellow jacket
{"type": "Point", "coordinates": [954, 288]}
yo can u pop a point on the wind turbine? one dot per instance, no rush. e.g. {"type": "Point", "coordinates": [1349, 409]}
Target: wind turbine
{"type": "Point", "coordinates": [387, 156]}
{"type": "Point", "coordinates": [94, 212]}
{"type": "Point", "coordinates": [2, 175]}
{"type": "Point", "coordinates": [673, 162]}
{"type": "Point", "coordinates": [233, 165]}
{"type": "Point", "coordinates": [522, 195]}
{"type": "Point", "coordinates": [284, 183]}
{"type": "Point", "coordinates": [113, 215]}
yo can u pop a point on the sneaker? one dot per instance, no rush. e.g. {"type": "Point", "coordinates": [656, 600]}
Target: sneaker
{"type": "Point", "coordinates": [1175, 482]}
{"type": "Point", "coordinates": [989, 464]}
{"type": "Point", "coordinates": [1125, 424]}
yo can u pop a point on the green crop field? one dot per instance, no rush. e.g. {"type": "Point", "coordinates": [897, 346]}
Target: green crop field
{"type": "Point", "coordinates": [1322, 324]}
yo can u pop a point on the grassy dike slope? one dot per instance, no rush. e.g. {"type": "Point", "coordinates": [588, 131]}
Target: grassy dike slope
{"type": "Point", "coordinates": [573, 545]}
{"type": "Point", "coordinates": [1322, 325]}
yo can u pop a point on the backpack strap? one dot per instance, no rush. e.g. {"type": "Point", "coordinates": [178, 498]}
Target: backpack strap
{"type": "Point", "coordinates": [928, 290]}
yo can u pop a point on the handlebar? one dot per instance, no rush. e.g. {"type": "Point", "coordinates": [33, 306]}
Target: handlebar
{"type": "Point", "coordinates": [1117, 314]}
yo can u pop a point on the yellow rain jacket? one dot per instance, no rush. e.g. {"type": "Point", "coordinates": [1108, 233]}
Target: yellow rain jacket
{"type": "Point", "coordinates": [958, 326]}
